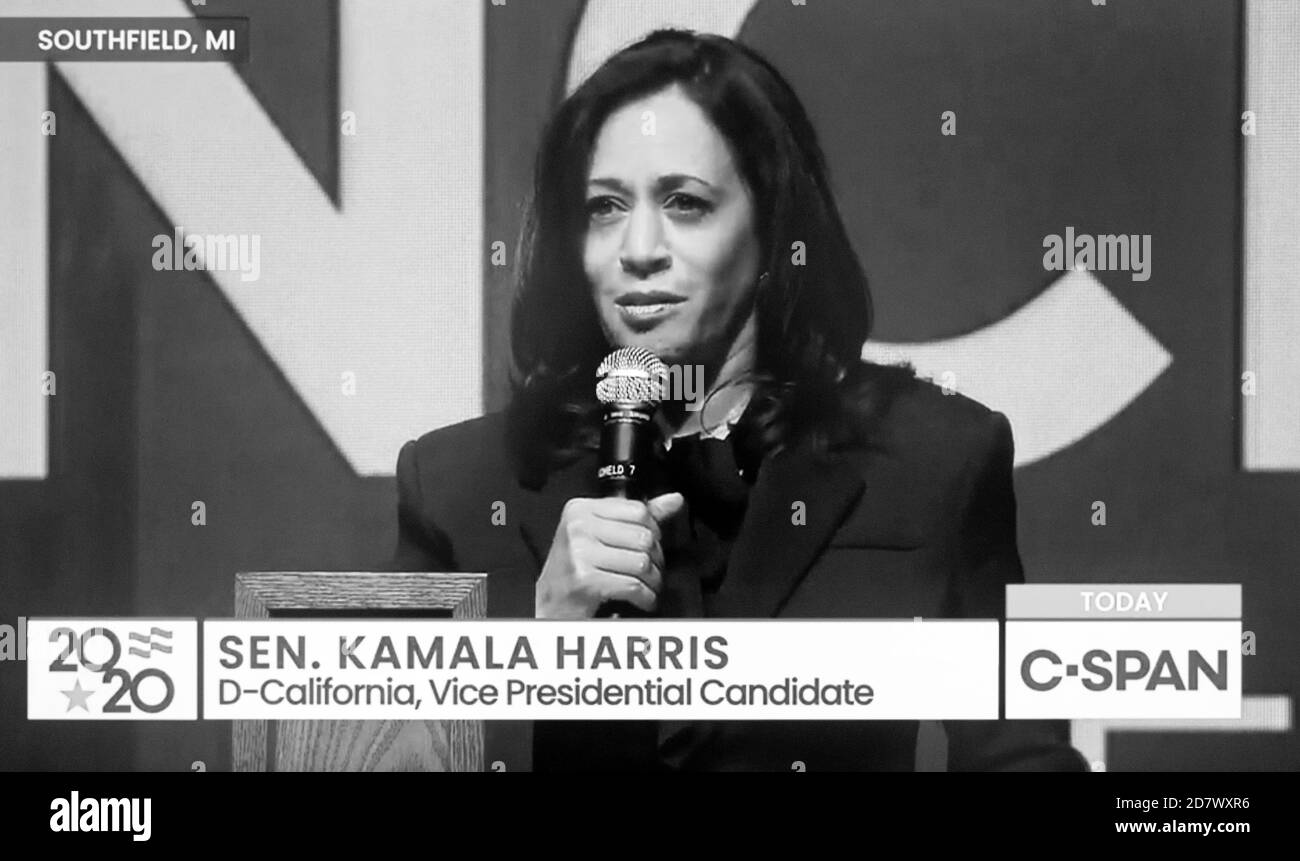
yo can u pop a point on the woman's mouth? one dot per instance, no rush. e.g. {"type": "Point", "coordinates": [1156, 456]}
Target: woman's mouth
{"type": "Point", "coordinates": [643, 309]}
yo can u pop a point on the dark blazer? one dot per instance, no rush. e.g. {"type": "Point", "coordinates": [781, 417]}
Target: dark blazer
{"type": "Point", "coordinates": [923, 523]}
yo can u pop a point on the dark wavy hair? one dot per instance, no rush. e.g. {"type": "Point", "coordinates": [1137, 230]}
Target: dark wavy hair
{"type": "Point", "coordinates": [812, 316]}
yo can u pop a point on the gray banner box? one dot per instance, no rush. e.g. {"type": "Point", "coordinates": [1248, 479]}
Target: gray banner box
{"type": "Point", "coordinates": [179, 39]}
{"type": "Point", "coordinates": [1124, 601]}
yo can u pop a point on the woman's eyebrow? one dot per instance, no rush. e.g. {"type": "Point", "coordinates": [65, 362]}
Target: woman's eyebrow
{"type": "Point", "coordinates": [676, 180]}
{"type": "Point", "coordinates": [665, 182]}
{"type": "Point", "coordinates": [608, 182]}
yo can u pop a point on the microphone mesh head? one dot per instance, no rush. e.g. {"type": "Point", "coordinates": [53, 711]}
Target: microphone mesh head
{"type": "Point", "coordinates": [630, 375]}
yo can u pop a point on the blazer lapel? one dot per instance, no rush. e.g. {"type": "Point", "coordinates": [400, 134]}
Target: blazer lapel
{"type": "Point", "coordinates": [771, 555]}
{"type": "Point", "coordinates": [774, 550]}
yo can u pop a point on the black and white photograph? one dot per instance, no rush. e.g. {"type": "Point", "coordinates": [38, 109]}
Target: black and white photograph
{"type": "Point", "coordinates": [630, 387]}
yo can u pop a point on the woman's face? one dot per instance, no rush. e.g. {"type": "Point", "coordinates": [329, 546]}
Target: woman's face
{"type": "Point", "coordinates": [671, 251]}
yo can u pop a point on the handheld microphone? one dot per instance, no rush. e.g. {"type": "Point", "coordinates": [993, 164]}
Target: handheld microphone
{"type": "Point", "coordinates": [629, 385]}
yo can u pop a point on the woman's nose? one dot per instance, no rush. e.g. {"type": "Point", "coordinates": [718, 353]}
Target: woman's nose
{"type": "Point", "coordinates": [643, 253]}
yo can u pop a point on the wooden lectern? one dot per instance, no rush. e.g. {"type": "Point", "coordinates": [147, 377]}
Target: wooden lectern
{"type": "Point", "coordinates": [374, 745]}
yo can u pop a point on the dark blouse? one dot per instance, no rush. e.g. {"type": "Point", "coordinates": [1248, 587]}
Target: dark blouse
{"type": "Point", "coordinates": [715, 476]}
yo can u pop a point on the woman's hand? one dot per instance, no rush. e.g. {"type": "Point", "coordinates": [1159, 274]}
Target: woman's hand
{"type": "Point", "coordinates": [604, 550]}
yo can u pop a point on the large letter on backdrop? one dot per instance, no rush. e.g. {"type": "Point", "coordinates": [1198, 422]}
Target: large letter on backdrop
{"type": "Point", "coordinates": [388, 286]}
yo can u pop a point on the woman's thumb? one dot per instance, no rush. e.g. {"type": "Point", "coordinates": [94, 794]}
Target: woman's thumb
{"type": "Point", "coordinates": [665, 506]}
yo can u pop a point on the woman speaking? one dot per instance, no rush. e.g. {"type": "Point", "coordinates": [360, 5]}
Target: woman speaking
{"type": "Point", "coordinates": [681, 205]}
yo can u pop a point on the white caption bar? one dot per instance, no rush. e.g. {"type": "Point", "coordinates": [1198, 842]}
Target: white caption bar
{"type": "Point", "coordinates": [620, 670]}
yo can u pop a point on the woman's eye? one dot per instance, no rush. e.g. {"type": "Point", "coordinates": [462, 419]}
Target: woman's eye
{"type": "Point", "coordinates": [600, 207]}
{"type": "Point", "coordinates": [687, 204]}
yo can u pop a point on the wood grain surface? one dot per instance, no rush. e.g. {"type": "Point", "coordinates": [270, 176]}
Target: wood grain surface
{"type": "Point", "coordinates": [353, 745]}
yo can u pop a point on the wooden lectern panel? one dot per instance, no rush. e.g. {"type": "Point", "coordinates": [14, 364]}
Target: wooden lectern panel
{"type": "Point", "coordinates": [377, 746]}
{"type": "Point", "coordinates": [352, 745]}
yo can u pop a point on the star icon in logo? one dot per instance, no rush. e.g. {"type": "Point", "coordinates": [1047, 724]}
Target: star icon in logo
{"type": "Point", "coordinates": [77, 697]}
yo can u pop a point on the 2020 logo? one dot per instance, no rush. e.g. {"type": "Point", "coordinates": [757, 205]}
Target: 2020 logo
{"type": "Point", "coordinates": [112, 669]}
{"type": "Point", "coordinates": [128, 683]}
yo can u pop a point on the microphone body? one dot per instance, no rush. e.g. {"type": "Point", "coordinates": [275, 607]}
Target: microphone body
{"type": "Point", "coordinates": [626, 441]}
{"type": "Point", "coordinates": [629, 386]}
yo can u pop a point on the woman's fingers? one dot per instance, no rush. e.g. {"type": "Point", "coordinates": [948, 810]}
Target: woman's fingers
{"type": "Point", "coordinates": [631, 536]}
{"type": "Point", "coordinates": [604, 550]}
{"type": "Point", "coordinates": [627, 511]}
{"type": "Point", "coordinates": [627, 563]}
{"type": "Point", "coordinates": [631, 590]}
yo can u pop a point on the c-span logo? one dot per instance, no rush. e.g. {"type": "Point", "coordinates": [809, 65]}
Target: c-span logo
{"type": "Point", "coordinates": [112, 669]}
{"type": "Point", "coordinates": [1123, 651]}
